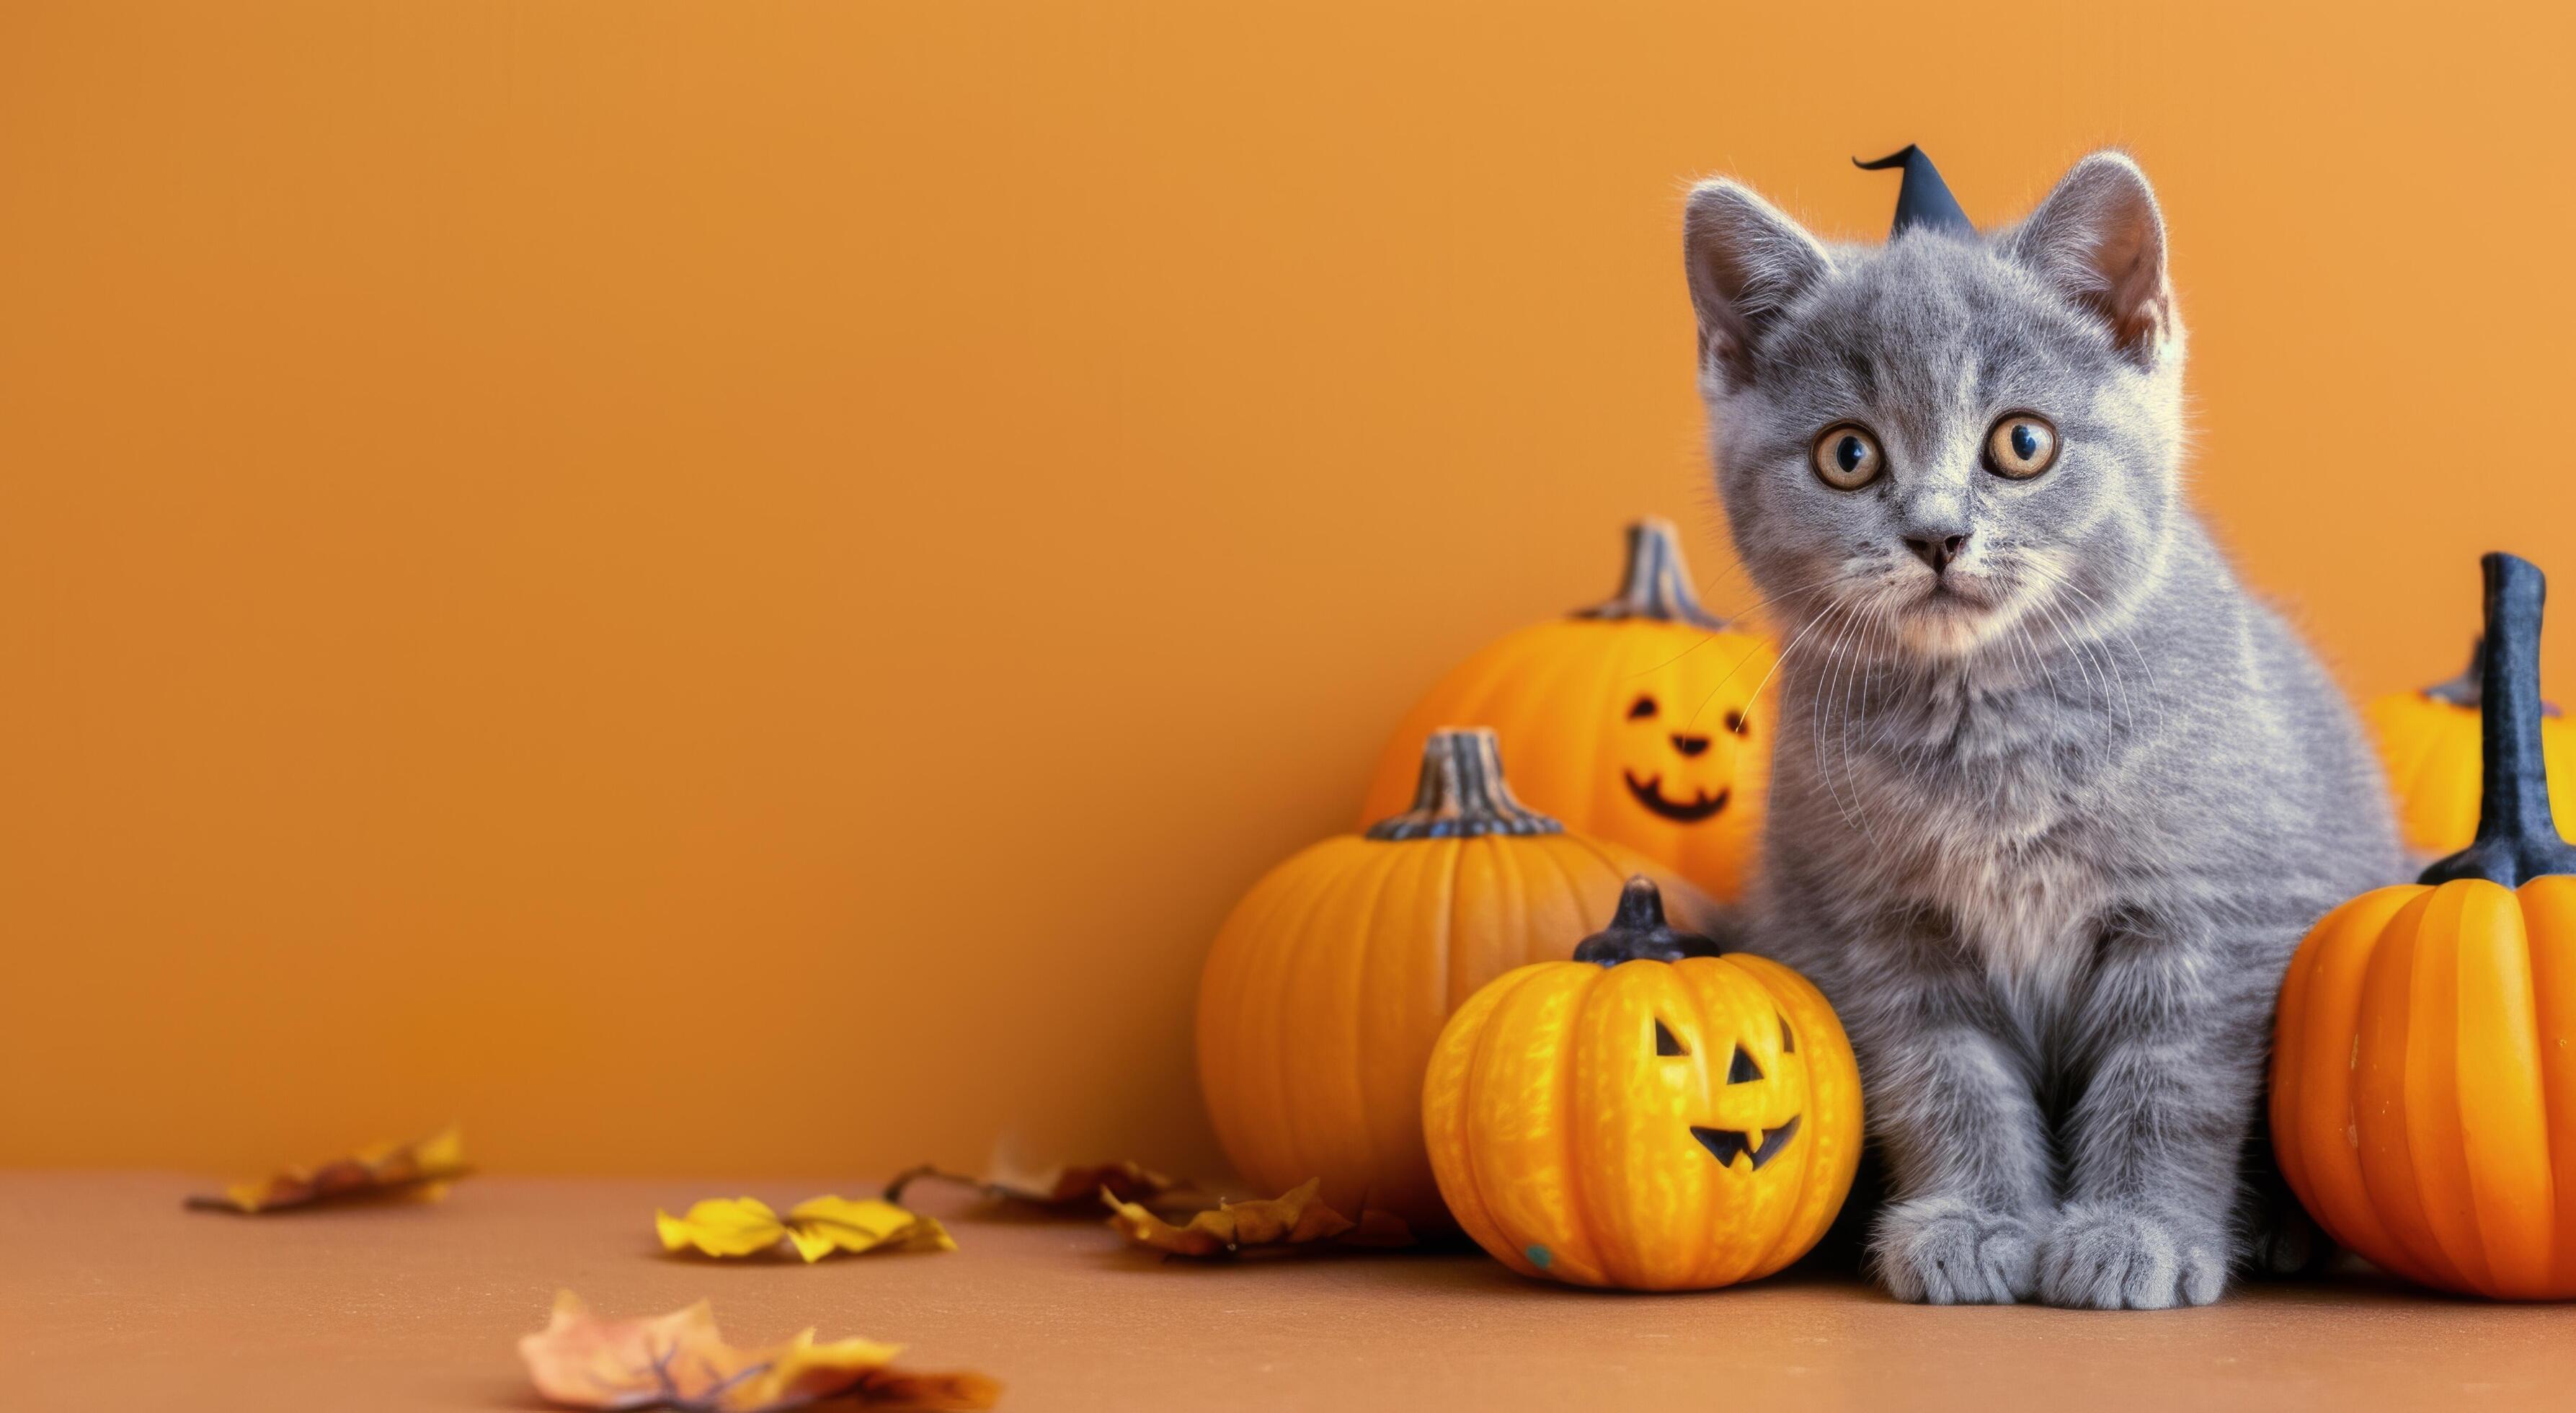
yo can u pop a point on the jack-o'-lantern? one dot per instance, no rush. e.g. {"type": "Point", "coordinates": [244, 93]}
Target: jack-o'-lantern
{"type": "Point", "coordinates": [2424, 1069]}
{"type": "Point", "coordinates": [1635, 720]}
{"type": "Point", "coordinates": [2428, 741]}
{"type": "Point", "coordinates": [1649, 1115]}
{"type": "Point", "coordinates": [1328, 983]}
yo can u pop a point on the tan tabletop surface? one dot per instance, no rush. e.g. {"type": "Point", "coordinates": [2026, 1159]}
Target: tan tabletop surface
{"type": "Point", "coordinates": [111, 1297]}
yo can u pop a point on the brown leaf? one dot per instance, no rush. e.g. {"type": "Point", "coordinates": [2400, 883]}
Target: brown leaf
{"type": "Point", "coordinates": [1293, 1219]}
{"type": "Point", "coordinates": [421, 1169]}
{"type": "Point", "coordinates": [1066, 1191]}
{"type": "Point", "coordinates": [679, 1360]}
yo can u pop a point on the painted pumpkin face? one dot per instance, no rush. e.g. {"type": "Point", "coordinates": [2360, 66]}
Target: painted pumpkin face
{"type": "Point", "coordinates": [1634, 721]}
{"type": "Point", "coordinates": [1682, 742]}
{"type": "Point", "coordinates": [1671, 1121]}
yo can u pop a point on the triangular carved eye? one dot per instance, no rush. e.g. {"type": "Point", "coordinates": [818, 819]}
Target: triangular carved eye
{"type": "Point", "coordinates": [1665, 1044]}
{"type": "Point", "coordinates": [1741, 1069]}
{"type": "Point", "coordinates": [1788, 1042]}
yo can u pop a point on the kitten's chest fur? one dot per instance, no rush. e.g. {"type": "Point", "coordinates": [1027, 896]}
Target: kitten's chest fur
{"type": "Point", "coordinates": [2026, 915]}
{"type": "Point", "coordinates": [2008, 820]}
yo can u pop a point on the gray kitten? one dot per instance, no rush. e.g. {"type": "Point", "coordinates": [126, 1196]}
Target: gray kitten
{"type": "Point", "coordinates": [2054, 798]}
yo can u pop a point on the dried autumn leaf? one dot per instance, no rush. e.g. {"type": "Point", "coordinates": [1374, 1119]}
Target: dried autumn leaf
{"type": "Point", "coordinates": [1066, 1191]}
{"type": "Point", "coordinates": [817, 1227]}
{"type": "Point", "coordinates": [420, 1169]}
{"type": "Point", "coordinates": [679, 1360]}
{"type": "Point", "coordinates": [1293, 1219]}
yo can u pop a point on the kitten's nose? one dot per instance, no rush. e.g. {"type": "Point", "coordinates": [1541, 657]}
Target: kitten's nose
{"type": "Point", "coordinates": [1689, 745]}
{"type": "Point", "coordinates": [1936, 551]}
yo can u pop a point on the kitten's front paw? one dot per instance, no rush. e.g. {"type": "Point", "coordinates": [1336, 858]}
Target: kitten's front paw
{"type": "Point", "coordinates": [1942, 1251]}
{"type": "Point", "coordinates": [2099, 1256]}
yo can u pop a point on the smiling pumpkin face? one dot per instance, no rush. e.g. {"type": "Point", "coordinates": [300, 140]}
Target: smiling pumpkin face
{"type": "Point", "coordinates": [1648, 1125]}
{"type": "Point", "coordinates": [1642, 720]}
{"type": "Point", "coordinates": [1757, 1144]}
{"type": "Point", "coordinates": [1686, 750]}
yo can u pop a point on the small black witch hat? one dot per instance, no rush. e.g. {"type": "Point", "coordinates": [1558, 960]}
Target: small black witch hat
{"type": "Point", "coordinates": [1924, 200]}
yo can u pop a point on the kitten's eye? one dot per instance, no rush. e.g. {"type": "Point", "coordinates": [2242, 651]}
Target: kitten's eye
{"type": "Point", "coordinates": [1642, 708]}
{"type": "Point", "coordinates": [1847, 457]}
{"type": "Point", "coordinates": [2021, 446]}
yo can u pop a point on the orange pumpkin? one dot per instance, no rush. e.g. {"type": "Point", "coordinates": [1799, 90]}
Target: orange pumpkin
{"type": "Point", "coordinates": [1649, 1115]}
{"type": "Point", "coordinates": [1635, 720]}
{"type": "Point", "coordinates": [2428, 742]}
{"type": "Point", "coordinates": [1329, 982]}
{"type": "Point", "coordinates": [2424, 1070]}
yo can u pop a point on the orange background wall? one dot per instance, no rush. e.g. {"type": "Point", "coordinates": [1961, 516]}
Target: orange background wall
{"type": "Point", "coordinates": [739, 588]}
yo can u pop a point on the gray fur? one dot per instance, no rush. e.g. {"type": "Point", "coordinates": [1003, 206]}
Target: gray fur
{"type": "Point", "coordinates": [2047, 850]}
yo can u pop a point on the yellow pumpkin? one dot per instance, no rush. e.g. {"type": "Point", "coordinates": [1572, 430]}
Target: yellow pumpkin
{"type": "Point", "coordinates": [2424, 1067]}
{"type": "Point", "coordinates": [1649, 1115]}
{"type": "Point", "coordinates": [2428, 742]}
{"type": "Point", "coordinates": [1328, 983]}
{"type": "Point", "coordinates": [1635, 721]}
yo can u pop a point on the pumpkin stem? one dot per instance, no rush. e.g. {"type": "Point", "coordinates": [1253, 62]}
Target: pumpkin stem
{"type": "Point", "coordinates": [1638, 932]}
{"type": "Point", "coordinates": [2517, 837]}
{"type": "Point", "coordinates": [2464, 691]}
{"type": "Point", "coordinates": [1657, 584]}
{"type": "Point", "coordinates": [1461, 793]}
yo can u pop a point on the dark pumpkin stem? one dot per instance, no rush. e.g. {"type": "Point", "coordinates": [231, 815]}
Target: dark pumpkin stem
{"type": "Point", "coordinates": [2465, 691]}
{"type": "Point", "coordinates": [1657, 584]}
{"type": "Point", "coordinates": [2517, 839]}
{"type": "Point", "coordinates": [1461, 793]}
{"type": "Point", "coordinates": [1638, 932]}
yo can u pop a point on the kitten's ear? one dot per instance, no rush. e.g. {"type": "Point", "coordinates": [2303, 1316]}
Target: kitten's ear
{"type": "Point", "coordinates": [2100, 239]}
{"type": "Point", "coordinates": [1746, 263]}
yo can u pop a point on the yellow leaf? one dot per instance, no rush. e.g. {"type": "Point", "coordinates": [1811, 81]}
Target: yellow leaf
{"type": "Point", "coordinates": [722, 1226]}
{"type": "Point", "coordinates": [1293, 1219]}
{"type": "Point", "coordinates": [679, 1360]}
{"type": "Point", "coordinates": [421, 1169]}
{"type": "Point", "coordinates": [744, 1226]}
{"type": "Point", "coordinates": [826, 1224]}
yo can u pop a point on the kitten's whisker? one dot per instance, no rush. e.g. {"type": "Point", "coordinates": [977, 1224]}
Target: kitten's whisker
{"type": "Point", "coordinates": [2121, 637]}
{"type": "Point", "coordinates": [1775, 667]}
{"type": "Point", "coordinates": [2107, 682]}
{"type": "Point", "coordinates": [1819, 717]}
{"type": "Point", "coordinates": [1880, 620]}
{"type": "Point", "coordinates": [1738, 615]}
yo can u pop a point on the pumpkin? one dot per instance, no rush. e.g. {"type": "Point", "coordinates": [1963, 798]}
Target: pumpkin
{"type": "Point", "coordinates": [1649, 1115]}
{"type": "Point", "coordinates": [1328, 983]}
{"type": "Point", "coordinates": [2428, 742]}
{"type": "Point", "coordinates": [1636, 720]}
{"type": "Point", "coordinates": [2424, 1070]}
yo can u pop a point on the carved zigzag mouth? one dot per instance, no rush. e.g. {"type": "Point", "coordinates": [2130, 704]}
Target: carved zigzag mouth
{"type": "Point", "coordinates": [1650, 793]}
{"type": "Point", "coordinates": [1724, 1144]}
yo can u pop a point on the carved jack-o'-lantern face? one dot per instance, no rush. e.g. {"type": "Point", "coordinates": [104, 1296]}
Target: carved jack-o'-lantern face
{"type": "Point", "coordinates": [1641, 720]}
{"type": "Point", "coordinates": [1745, 1140]}
{"type": "Point", "coordinates": [1648, 1116]}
